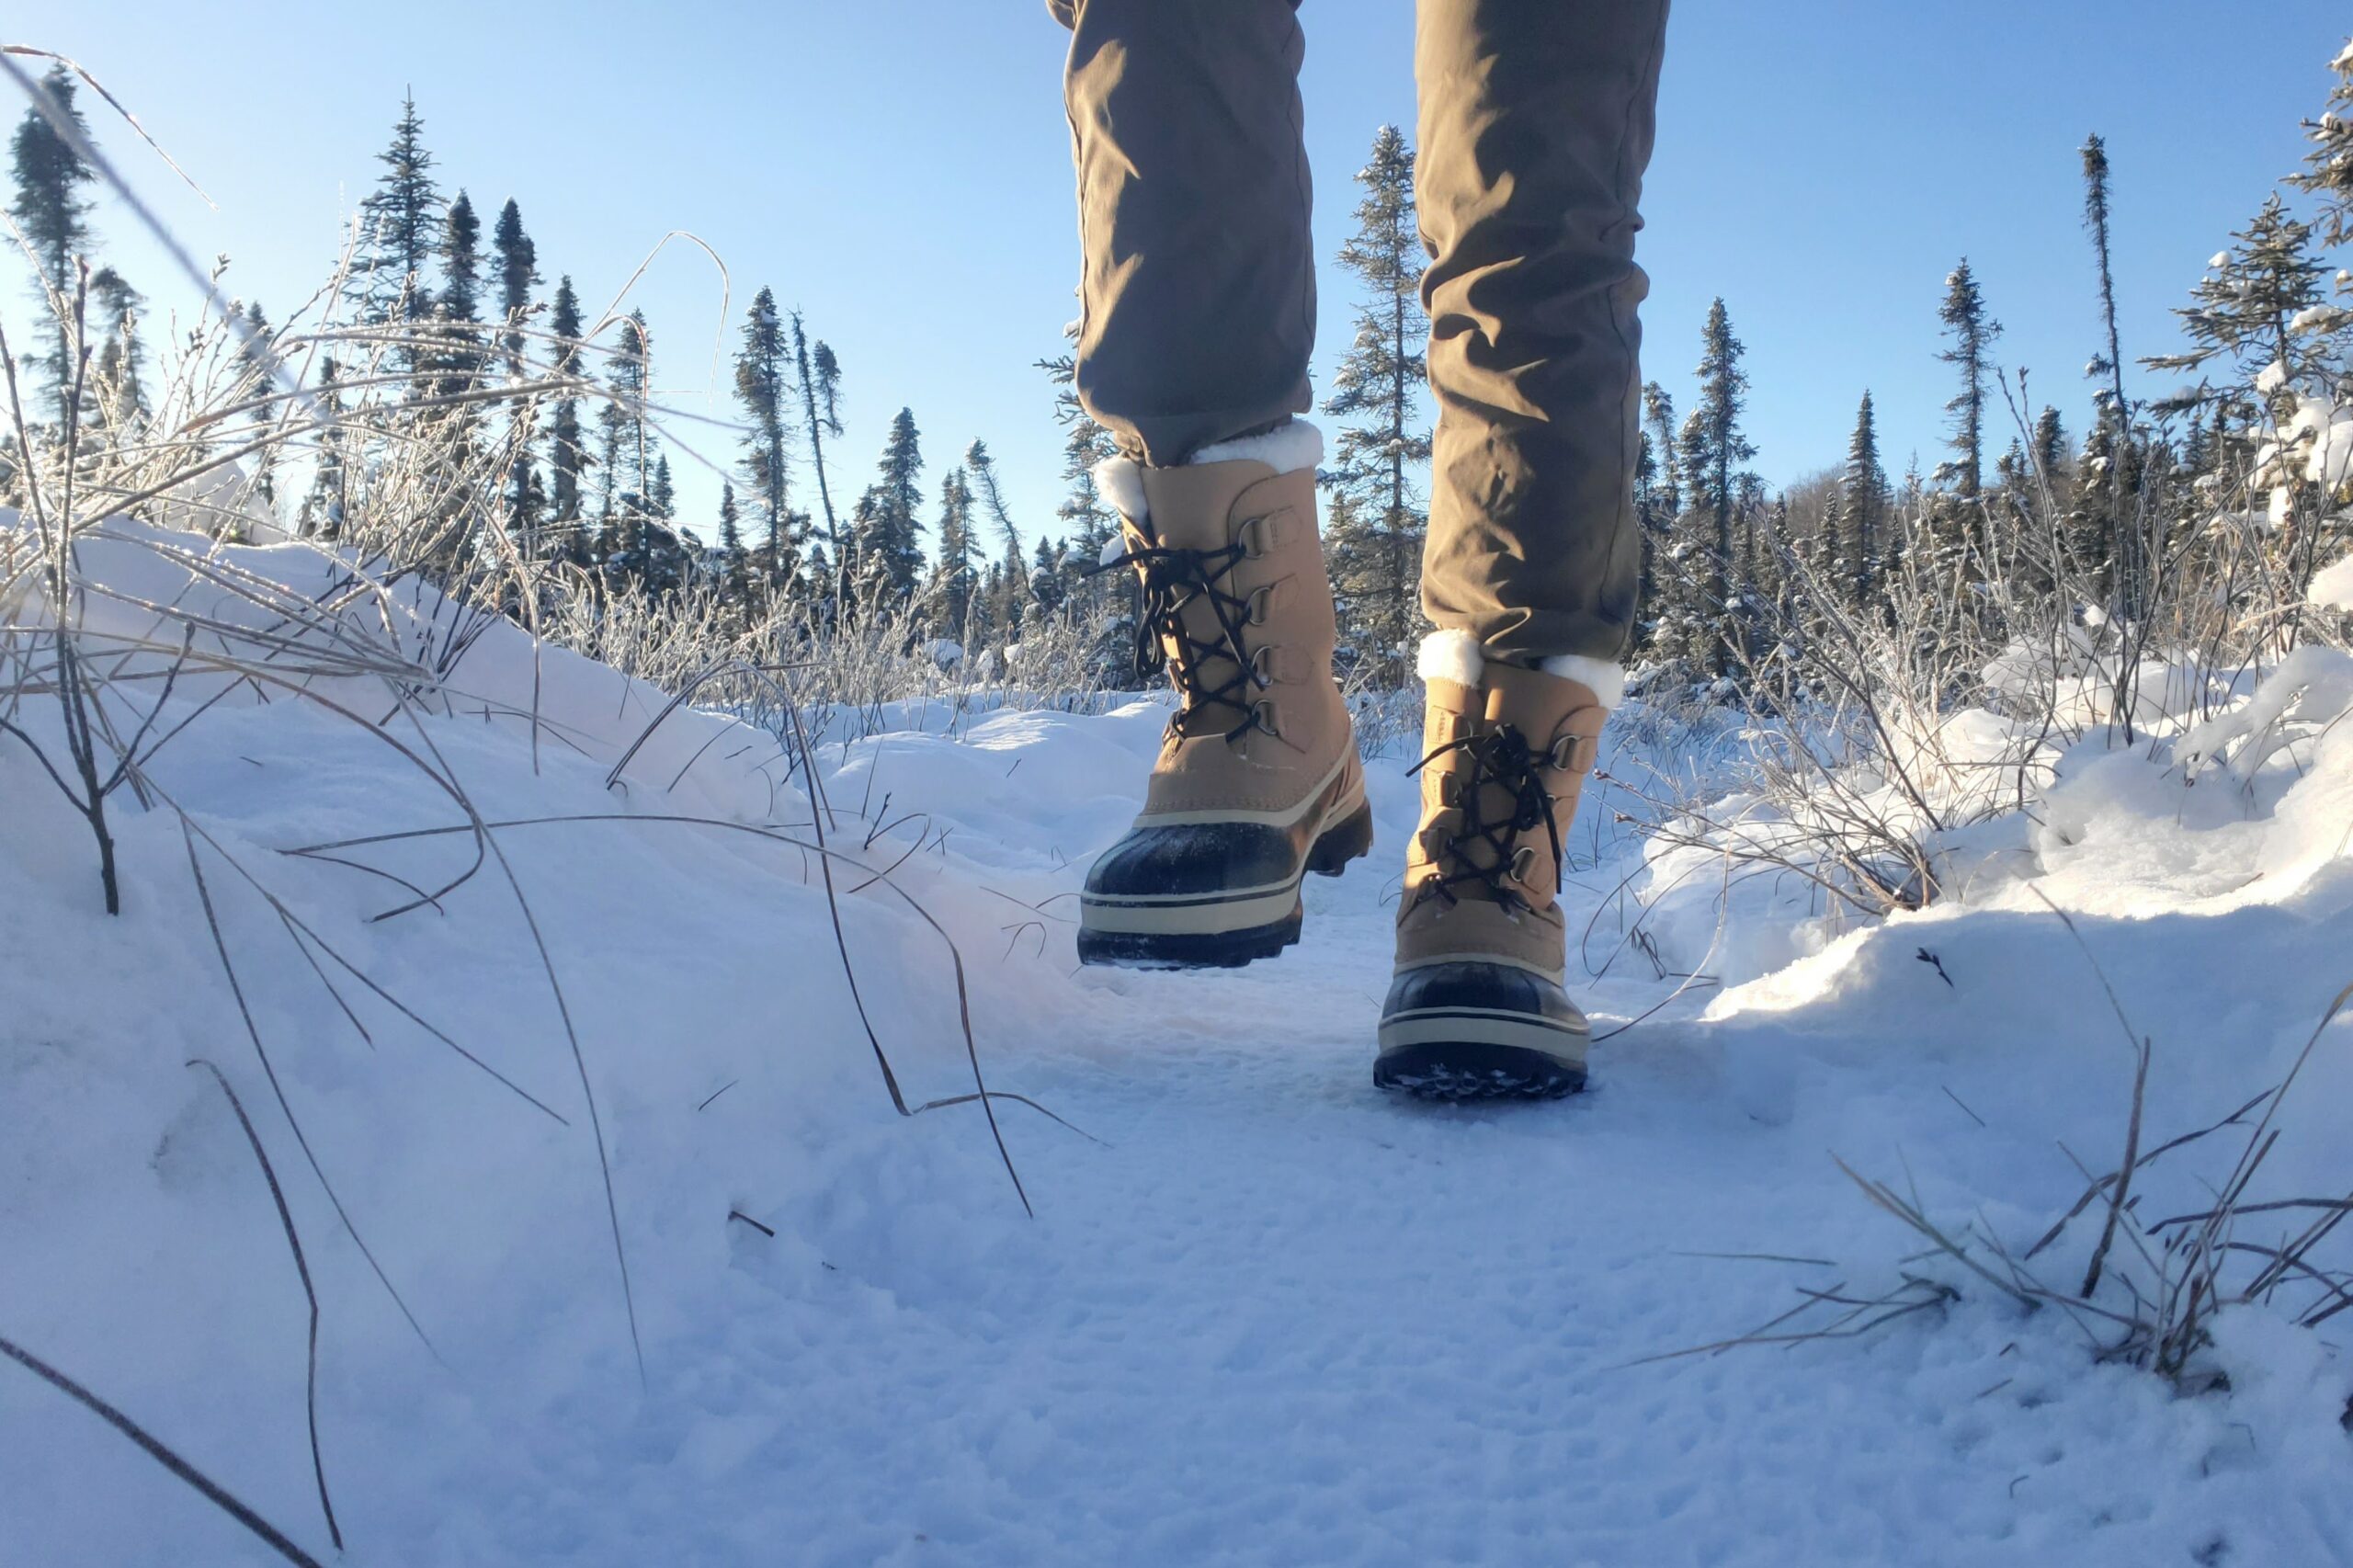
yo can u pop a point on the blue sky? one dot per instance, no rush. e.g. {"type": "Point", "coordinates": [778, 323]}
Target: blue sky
{"type": "Point", "coordinates": [900, 170]}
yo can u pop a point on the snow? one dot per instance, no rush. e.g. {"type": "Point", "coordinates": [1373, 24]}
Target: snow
{"type": "Point", "coordinates": [1271, 1317]}
{"type": "Point", "coordinates": [2333, 586]}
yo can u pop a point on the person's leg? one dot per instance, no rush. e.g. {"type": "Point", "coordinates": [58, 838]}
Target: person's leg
{"type": "Point", "coordinates": [1198, 298]}
{"type": "Point", "coordinates": [1537, 119]}
{"type": "Point", "coordinates": [1536, 124]}
{"type": "Point", "coordinates": [1198, 319]}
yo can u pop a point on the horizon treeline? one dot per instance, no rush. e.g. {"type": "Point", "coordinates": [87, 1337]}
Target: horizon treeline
{"type": "Point", "coordinates": [2104, 503]}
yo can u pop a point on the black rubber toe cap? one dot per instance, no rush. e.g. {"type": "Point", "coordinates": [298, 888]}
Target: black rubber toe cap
{"type": "Point", "coordinates": [1471, 1030]}
{"type": "Point", "coordinates": [1198, 857]}
{"type": "Point", "coordinates": [1484, 986]}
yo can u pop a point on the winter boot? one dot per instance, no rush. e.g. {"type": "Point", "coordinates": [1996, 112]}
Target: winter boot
{"type": "Point", "coordinates": [1258, 782]}
{"type": "Point", "coordinates": [1476, 1008]}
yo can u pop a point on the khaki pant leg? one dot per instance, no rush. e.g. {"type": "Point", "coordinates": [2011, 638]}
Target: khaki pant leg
{"type": "Point", "coordinates": [1536, 124]}
{"type": "Point", "coordinates": [1199, 292]}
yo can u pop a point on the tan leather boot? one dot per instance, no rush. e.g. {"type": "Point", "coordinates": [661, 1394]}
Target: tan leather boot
{"type": "Point", "coordinates": [1477, 1008]}
{"type": "Point", "coordinates": [1258, 781]}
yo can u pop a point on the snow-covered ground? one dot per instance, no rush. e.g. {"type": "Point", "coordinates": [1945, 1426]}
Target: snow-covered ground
{"type": "Point", "coordinates": [1263, 1314]}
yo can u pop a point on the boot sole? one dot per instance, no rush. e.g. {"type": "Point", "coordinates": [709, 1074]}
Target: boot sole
{"type": "Point", "coordinates": [1202, 944]}
{"type": "Point", "coordinates": [1445, 1054]}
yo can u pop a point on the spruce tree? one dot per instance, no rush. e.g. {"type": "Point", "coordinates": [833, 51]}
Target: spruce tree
{"type": "Point", "coordinates": [661, 493]}
{"type": "Point", "coordinates": [890, 559]}
{"type": "Point", "coordinates": [2245, 312]}
{"type": "Point", "coordinates": [1047, 576]}
{"type": "Point", "coordinates": [2099, 529]}
{"type": "Point", "coordinates": [321, 514]}
{"type": "Point", "coordinates": [458, 308]}
{"type": "Point", "coordinates": [1658, 502]}
{"type": "Point", "coordinates": [2049, 452]}
{"type": "Point", "coordinates": [988, 490]}
{"type": "Point", "coordinates": [1376, 558]}
{"type": "Point", "coordinates": [957, 575]}
{"type": "Point", "coordinates": [1692, 604]}
{"type": "Point", "coordinates": [736, 576]}
{"type": "Point", "coordinates": [516, 266]}
{"type": "Point", "coordinates": [1114, 599]}
{"type": "Point", "coordinates": [1089, 519]}
{"type": "Point", "coordinates": [54, 217]}
{"type": "Point", "coordinates": [517, 269]}
{"type": "Point", "coordinates": [1658, 423]}
{"type": "Point", "coordinates": [1712, 468]}
{"type": "Point", "coordinates": [400, 229]}
{"type": "Point", "coordinates": [899, 471]}
{"type": "Point", "coordinates": [2110, 361]}
{"type": "Point", "coordinates": [2328, 167]}
{"type": "Point", "coordinates": [1011, 604]}
{"type": "Point", "coordinates": [1972, 330]}
{"type": "Point", "coordinates": [462, 262]}
{"type": "Point", "coordinates": [1007, 604]}
{"type": "Point", "coordinates": [625, 456]}
{"type": "Point", "coordinates": [567, 454]}
{"type": "Point", "coordinates": [1862, 502]}
{"type": "Point", "coordinates": [819, 375]}
{"type": "Point", "coordinates": [760, 370]}
{"type": "Point", "coordinates": [114, 304]}
{"type": "Point", "coordinates": [2104, 523]}
{"type": "Point", "coordinates": [256, 367]}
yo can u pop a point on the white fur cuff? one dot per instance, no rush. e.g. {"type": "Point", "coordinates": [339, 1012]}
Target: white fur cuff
{"type": "Point", "coordinates": [1121, 481]}
{"type": "Point", "coordinates": [1288, 448]}
{"type": "Point", "coordinates": [1451, 655]}
{"type": "Point", "coordinates": [1456, 655]}
{"type": "Point", "coordinates": [1603, 679]}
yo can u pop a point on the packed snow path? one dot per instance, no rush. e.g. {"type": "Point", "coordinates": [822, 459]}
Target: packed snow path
{"type": "Point", "coordinates": [1271, 1317]}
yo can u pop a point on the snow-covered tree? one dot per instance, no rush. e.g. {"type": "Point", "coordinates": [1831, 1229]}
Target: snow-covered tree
{"type": "Point", "coordinates": [2328, 167]}
{"type": "Point", "coordinates": [889, 558]}
{"type": "Point", "coordinates": [2256, 307]}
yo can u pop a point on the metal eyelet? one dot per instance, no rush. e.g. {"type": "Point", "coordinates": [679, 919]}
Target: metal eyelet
{"type": "Point", "coordinates": [1252, 537]}
{"type": "Point", "coordinates": [1523, 860]}
{"type": "Point", "coordinates": [1262, 714]}
{"type": "Point", "coordinates": [1261, 664]}
{"type": "Point", "coordinates": [1563, 757]}
{"type": "Point", "coordinates": [1261, 604]}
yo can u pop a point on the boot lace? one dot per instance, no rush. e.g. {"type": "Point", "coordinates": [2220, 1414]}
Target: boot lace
{"type": "Point", "coordinates": [1504, 758]}
{"type": "Point", "coordinates": [1175, 579]}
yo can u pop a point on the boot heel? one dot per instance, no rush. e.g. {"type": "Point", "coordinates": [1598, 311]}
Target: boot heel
{"type": "Point", "coordinates": [1350, 840]}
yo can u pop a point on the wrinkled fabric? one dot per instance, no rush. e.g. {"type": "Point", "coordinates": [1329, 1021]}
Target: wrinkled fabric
{"type": "Point", "coordinates": [1198, 297]}
{"type": "Point", "coordinates": [1536, 124]}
